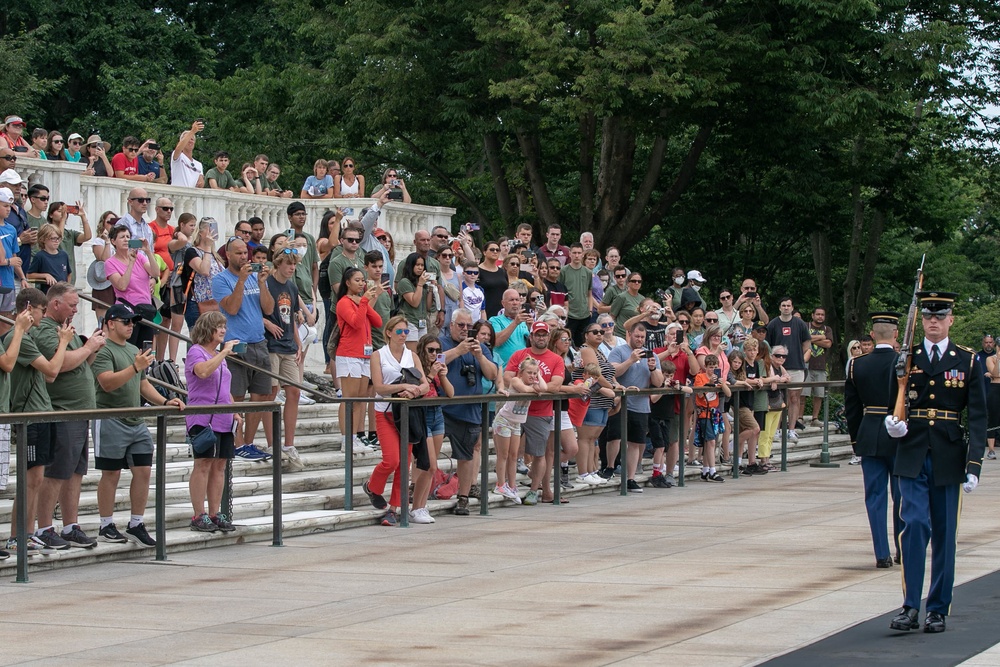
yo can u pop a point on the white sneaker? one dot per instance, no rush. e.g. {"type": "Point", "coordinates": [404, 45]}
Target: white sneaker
{"type": "Point", "coordinates": [855, 460]}
{"type": "Point", "coordinates": [291, 456]}
{"type": "Point", "coordinates": [594, 479]}
{"type": "Point", "coordinates": [421, 516]}
{"type": "Point", "coordinates": [280, 397]}
{"type": "Point", "coordinates": [305, 400]}
{"type": "Point", "coordinates": [583, 479]}
{"type": "Point", "coordinates": [507, 492]}
{"type": "Point", "coordinates": [793, 436]}
{"type": "Point", "coordinates": [677, 471]}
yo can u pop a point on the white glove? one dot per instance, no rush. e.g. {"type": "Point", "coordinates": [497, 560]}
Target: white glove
{"type": "Point", "coordinates": [896, 428]}
{"type": "Point", "coordinates": [971, 483]}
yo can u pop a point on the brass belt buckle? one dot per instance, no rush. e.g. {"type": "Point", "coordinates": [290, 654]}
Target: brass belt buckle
{"type": "Point", "coordinates": [932, 413]}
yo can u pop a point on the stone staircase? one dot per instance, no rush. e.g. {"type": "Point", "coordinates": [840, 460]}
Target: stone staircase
{"type": "Point", "coordinates": [312, 499]}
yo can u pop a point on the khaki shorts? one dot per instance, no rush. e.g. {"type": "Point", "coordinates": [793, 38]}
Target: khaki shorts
{"type": "Point", "coordinates": [815, 376]}
{"type": "Point", "coordinates": [747, 421]}
{"type": "Point", "coordinates": [285, 366]}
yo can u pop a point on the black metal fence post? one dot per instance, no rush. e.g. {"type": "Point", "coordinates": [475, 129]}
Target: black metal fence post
{"type": "Point", "coordinates": [404, 465]}
{"type": "Point", "coordinates": [19, 436]}
{"type": "Point", "coordinates": [276, 526]}
{"type": "Point", "coordinates": [348, 456]}
{"type": "Point", "coordinates": [484, 462]}
{"type": "Point", "coordinates": [161, 487]}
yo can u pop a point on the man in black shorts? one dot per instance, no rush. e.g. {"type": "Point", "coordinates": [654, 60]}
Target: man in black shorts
{"type": "Point", "coordinates": [123, 443]}
{"type": "Point", "coordinates": [73, 389]}
{"type": "Point", "coordinates": [28, 394]}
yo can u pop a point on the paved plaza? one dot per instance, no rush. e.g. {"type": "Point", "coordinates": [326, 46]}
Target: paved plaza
{"type": "Point", "coordinates": [712, 574]}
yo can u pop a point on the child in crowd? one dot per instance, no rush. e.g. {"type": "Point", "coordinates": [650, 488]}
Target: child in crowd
{"type": "Point", "coordinates": [663, 427]}
{"type": "Point", "coordinates": [578, 405]}
{"type": "Point", "coordinates": [51, 263]}
{"type": "Point", "coordinates": [260, 255]}
{"type": "Point", "coordinates": [507, 427]}
{"type": "Point", "coordinates": [473, 297]}
{"type": "Point", "coordinates": [431, 358]}
{"type": "Point", "coordinates": [774, 368]}
{"type": "Point", "coordinates": [708, 421]}
{"type": "Point", "coordinates": [218, 177]}
{"type": "Point", "coordinates": [747, 430]}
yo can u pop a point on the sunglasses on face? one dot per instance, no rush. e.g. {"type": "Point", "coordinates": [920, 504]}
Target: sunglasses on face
{"type": "Point", "coordinates": [393, 176]}
{"type": "Point", "coordinates": [779, 356]}
{"type": "Point", "coordinates": [287, 251]}
{"type": "Point", "coordinates": [433, 350]}
{"type": "Point", "coordinates": [493, 250]}
{"type": "Point", "coordinates": [472, 273]}
{"type": "Point", "coordinates": [9, 158]}
{"type": "Point", "coordinates": [382, 238]}
{"type": "Point", "coordinates": [57, 141]}
{"type": "Point", "coordinates": [40, 198]}
{"type": "Point", "coordinates": [593, 331]}
{"type": "Point", "coordinates": [402, 332]}
{"type": "Point", "coordinates": [940, 317]}
{"type": "Point", "coordinates": [348, 165]}
{"type": "Point", "coordinates": [711, 321]}
{"type": "Point", "coordinates": [75, 143]}
{"type": "Point", "coordinates": [141, 200]}
{"type": "Point", "coordinates": [723, 297]}
{"type": "Point", "coordinates": [440, 236]}
{"type": "Point", "coordinates": [351, 239]}
{"type": "Point", "coordinates": [683, 322]}
{"type": "Point", "coordinates": [515, 264]}
{"type": "Point", "coordinates": [171, 208]}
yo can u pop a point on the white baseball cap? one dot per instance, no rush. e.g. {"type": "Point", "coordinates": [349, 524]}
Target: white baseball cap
{"type": "Point", "coordinates": [6, 196]}
{"type": "Point", "coordinates": [696, 276]}
{"type": "Point", "coordinates": [10, 176]}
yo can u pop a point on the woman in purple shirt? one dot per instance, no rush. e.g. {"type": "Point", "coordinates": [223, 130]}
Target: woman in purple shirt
{"type": "Point", "coordinates": [208, 380]}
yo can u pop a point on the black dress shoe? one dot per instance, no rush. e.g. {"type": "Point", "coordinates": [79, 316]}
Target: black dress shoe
{"type": "Point", "coordinates": [906, 620]}
{"type": "Point", "coordinates": [883, 563]}
{"type": "Point", "coordinates": [934, 622]}
{"type": "Point", "coordinates": [897, 559]}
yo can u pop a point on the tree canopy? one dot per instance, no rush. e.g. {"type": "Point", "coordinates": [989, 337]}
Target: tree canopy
{"type": "Point", "coordinates": [817, 145]}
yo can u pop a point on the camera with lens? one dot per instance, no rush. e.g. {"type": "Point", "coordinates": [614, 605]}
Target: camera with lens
{"type": "Point", "coordinates": [468, 371]}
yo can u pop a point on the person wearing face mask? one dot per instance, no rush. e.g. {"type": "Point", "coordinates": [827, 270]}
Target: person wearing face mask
{"type": "Point", "coordinates": [676, 289]}
{"type": "Point", "coordinates": [692, 293]}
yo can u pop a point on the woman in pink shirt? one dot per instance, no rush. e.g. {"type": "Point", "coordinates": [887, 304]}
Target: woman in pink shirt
{"type": "Point", "coordinates": [132, 271]}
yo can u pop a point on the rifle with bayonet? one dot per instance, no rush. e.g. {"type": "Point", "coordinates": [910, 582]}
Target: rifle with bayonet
{"type": "Point", "coordinates": [905, 361]}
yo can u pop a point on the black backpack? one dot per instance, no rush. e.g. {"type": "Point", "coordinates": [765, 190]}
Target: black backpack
{"type": "Point", "coordinates": [168, 373]}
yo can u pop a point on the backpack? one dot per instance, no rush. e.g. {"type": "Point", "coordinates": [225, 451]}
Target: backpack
{"type": "Point", "coordinates": [444, 486]}
{"type": "Point", "coordinates": [166, 372]}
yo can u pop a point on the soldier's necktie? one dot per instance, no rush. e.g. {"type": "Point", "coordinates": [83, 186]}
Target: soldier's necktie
{"type": "Point", "coordinates": [935, 355]}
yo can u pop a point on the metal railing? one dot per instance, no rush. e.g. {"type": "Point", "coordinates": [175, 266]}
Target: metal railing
{"type": "Point", "coordinates": [19, 425]}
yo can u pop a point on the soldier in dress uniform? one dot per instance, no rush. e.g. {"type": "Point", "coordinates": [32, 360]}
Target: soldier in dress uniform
{"type": "Point", "coordinates": [933, 459]}
{"type": "Point", "coordinates": [869, 395]}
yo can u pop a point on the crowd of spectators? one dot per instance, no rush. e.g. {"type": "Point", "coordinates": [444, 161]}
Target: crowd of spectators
{"type": "Point", "coordinates": [144, 161]}
{"type": "Point", "coordinates": [458, 316]}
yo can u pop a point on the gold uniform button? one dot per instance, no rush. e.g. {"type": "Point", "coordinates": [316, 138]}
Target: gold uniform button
{"type": "Point", "coordinates": [932, 383]}
{"type": "Point", "coordinates": [930, 423]}
{"type": "Point", "coordinates": [932, 397]}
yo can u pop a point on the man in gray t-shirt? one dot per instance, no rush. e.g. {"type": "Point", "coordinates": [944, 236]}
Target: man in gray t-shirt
{"type": "Point", "coordinates": [635, 366]}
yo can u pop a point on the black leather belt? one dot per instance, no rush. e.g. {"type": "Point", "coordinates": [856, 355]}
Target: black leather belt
{"type": "Point", "coordinates": [932, 413]}
{"type": "Point", "coordinates": [876, 410]}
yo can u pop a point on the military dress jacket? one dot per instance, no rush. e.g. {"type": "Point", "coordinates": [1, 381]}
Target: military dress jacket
{"type": "Point", "coordinates": [869, 395]}
{"type": "Point", "coordinates": [937, 397]}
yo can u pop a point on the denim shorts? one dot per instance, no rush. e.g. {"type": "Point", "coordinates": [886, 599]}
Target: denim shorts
{"type": "Point", "coordinates": [596, 417]}
{"type": "Point", "coordinates": [704, 431]}
{"type": "Point", "coordinates": [435, 420]}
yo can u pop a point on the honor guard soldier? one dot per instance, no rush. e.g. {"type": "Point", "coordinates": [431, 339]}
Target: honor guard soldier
{"type": "Point", "coordinates": [933, 459]}
{"type": "Point", "coordinates": [869, 394]}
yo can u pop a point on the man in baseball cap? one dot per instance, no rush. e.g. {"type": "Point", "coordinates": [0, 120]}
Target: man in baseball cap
{"type": "Point", "coordinates": [538, 426]}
